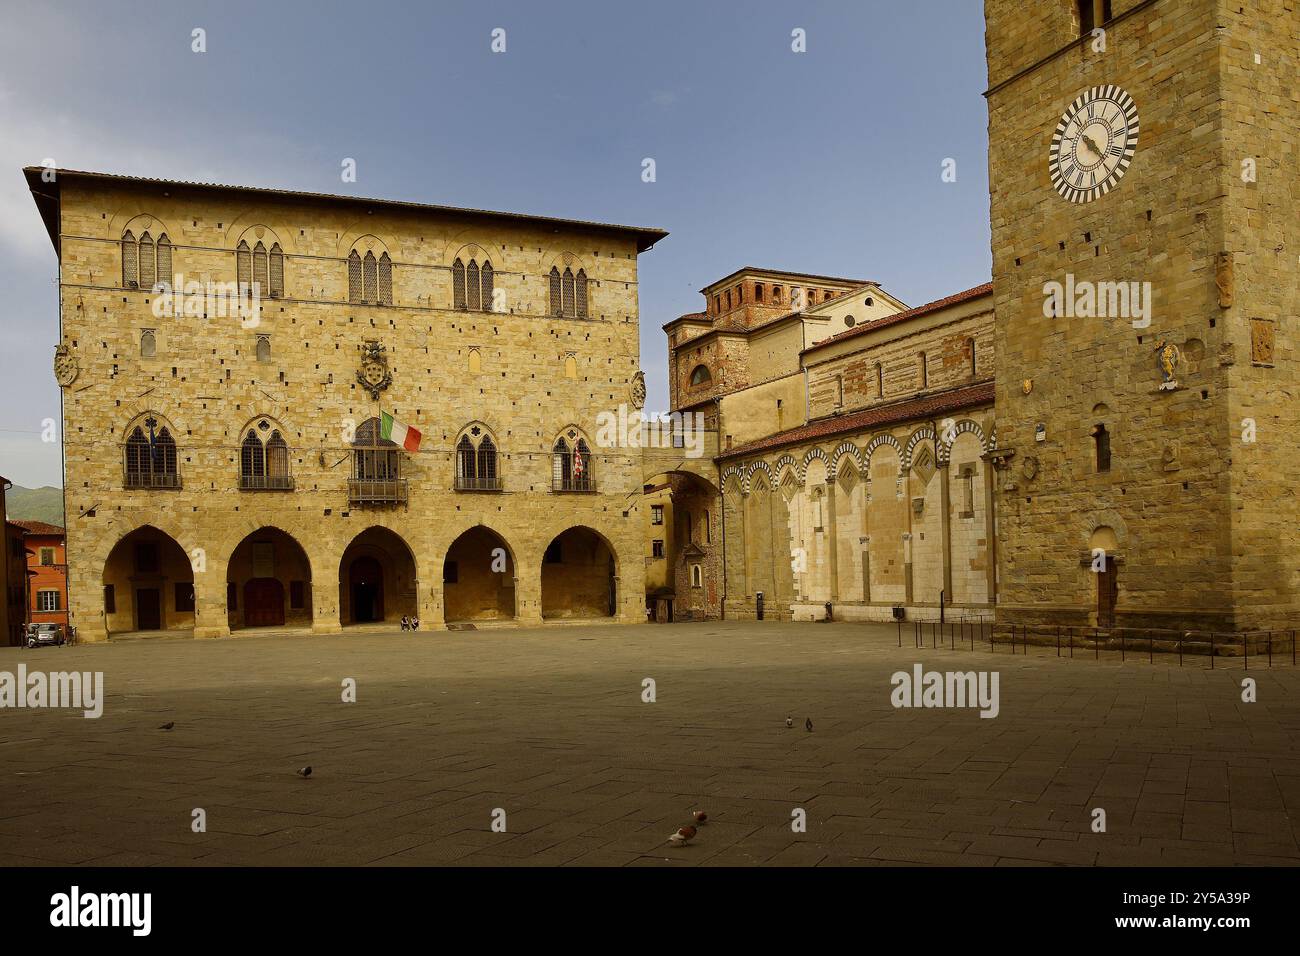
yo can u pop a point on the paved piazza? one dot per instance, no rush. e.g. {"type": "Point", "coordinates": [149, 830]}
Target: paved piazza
{"type": "Point", "coordinates": [549, 725]}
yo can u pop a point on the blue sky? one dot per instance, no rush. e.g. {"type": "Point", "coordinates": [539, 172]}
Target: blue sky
{"type": "Point", "coordinates": [825, 161]}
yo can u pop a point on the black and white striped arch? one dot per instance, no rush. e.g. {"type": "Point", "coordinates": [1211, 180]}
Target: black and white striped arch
{"type": "Point", "coordinates": [1080, 173]}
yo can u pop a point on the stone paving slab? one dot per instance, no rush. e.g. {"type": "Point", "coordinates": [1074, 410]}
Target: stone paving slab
{"type": "Point", "coordinates": [548, 725]}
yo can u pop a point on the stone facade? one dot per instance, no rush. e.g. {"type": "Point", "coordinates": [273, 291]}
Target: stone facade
{"type": "Point", "coordinates": [1190, 506]}
{"type": "Point", "coordinates": [523, 357]}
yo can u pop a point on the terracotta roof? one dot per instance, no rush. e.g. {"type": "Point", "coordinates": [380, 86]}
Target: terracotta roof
{"type": "Point", "coordinates": [38, 527]}
{"type": "Point", "coordinates": [954, 299]}
{"type": "Point", "coordinates": [923, 407]}
{"type": "Point", "coordinates": [43, 191]}
{"type": "Point", "coordinates": [683, 318]}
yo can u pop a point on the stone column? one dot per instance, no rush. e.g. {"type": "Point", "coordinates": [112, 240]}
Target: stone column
{"type": "Point", "coordinates": [325, 605]}
{"type": "Point", "coordinates": [210, 615]}
{"type": "Point", "coordinates": [945, 525]}
{"type": "Point", "coordinates": [832, 540]}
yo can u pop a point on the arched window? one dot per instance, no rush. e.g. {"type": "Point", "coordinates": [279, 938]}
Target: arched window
{"type": "Point", "coordinates": [776, 295]}
{"type": "Point", "coordinates": [264, 348]}
{"type": "Point", "coordinates": [276, 280]}
{"type": "Point", "coordinates": [244, 267]}
{"type": "Point", "coordinates": [487, 460]}
{"type": "Point", "coordinates": [148, 263]}
{"type": "Point", "coordinates": [164, 259]}
{"type": "Point", "coordinates": [458, 285]}
{"type": "Point", "coordinates": [557, 307]}
{"type": "Point", "coordinates": [1092, 14]}
{"type": "Point", "coordinates": [151, 457]}
{"type": "Point", "coordinates": [369, 277]}
{"type": "Point", "coordinates": [376, 468]}
{"type": "Point", "coordinates": [264, 465]}
{"type": "Point", "coordinates": [148, 344]}
{"type": "Point", "coordinates": [582, 293]}
{"type": "Point", "coordinates": [570, 310]}
{"type": "Point", "coordinates": [261, 270]}
{"type": "Point", "coordinates": [923, 372]}
{"type": "Point", "coordinates": [385, 279]}
{"type": "Point", "coordinates": [487, 279]}
{"type": "Point", "coordinates": [472, 287]}
{"type": "Point", "coordinates": [758, 292]}
{"type": "Point", "coordinates": [701, 375]}
{"type": "Point", "coordinates": [130, 261]}
{"type": "Point", "coordinates": [571, 465]}
{"type": "Point", "coordinates": [466, 465]}
{"type": "Point", "coordinates": [354, 276]}
{"type": "Point", "coordinates": [880, 381]}
{"type": "Point", "coordinates": [974, 362]}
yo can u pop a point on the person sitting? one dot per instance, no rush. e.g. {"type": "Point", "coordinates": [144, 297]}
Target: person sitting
{"type": "Point", "coordinates": [415, 623]}
{"type": "Point", "coordinates": [406, 624]}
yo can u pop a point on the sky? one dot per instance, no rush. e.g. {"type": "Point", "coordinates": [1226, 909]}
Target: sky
{"type": "Point", "coordinates": [824, 161]}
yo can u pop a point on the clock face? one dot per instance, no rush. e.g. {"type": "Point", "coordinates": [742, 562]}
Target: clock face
{"type": "Point", "coordinates": [1093, 144]}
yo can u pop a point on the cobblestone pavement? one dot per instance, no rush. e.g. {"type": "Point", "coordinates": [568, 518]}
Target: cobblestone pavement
{"type": "Point", "coordinates": [548, 724]}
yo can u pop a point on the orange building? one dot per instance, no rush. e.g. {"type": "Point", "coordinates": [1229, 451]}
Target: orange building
{"type": "Point", "coordinates": [47, 572]}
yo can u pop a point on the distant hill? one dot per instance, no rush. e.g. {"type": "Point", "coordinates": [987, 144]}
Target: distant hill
{"type": "Point", "coordinates": [35, 504]}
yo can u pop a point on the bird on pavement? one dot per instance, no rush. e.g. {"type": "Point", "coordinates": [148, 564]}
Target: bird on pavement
{"type": "Point", "coordinates": [305, 772]}
{"type": "Point", "coordinates": [807, 724]}
{"type": "Point", "coordinates": [701, 817]}
{"type": "Point", "coordinates": [682, 836]}
{"type": "Point", "coordinates": [789, 721]}
{"type": "Point", "coordinates": [168, 726]}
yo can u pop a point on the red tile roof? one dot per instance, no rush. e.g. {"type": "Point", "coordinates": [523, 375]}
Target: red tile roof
{"type": "Point", "coordinates": [37, 527]}
{"type": "Point", "coordinates": [920, 310]}
{"type": "Point", "coordinates": [923, 407]}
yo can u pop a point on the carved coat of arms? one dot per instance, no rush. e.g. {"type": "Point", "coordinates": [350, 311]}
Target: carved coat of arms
{"type": "Point", "coordinates": [66, 367]}
{"type": "Point", "coordinates": [374, 374]}
{"type": "Point", "coordinates": [638, 390]}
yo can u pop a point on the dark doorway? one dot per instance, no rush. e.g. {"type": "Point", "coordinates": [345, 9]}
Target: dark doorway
{"type": "Point", "coordinates": [613, 590]}
{"type": "Point", "coordinates": [148, 609]}
{"type": "Point", "coordinates": [263, 602]}
{"type": "Point", "coordinates": [367, 579]}
{"type": "Point", "coordinates": [1107, 594]}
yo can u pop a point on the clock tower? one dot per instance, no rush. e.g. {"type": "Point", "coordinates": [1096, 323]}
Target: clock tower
{"type": "Point", "coordinates": [1145, 209]}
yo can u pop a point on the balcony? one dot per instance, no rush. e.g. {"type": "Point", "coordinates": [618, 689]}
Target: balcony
{"type": "Point", "coordinates": [145, 479]}
{"type": "Point", "coordinates": [581, 484]}
{"type": "Point", "coordinates": [479, 483]}
{"type": "Point", "coordinates": [377, 491]}
{"type": "Point", "coordinates": [266, 482]}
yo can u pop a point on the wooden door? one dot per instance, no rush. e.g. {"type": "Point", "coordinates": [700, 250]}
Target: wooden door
{"type": "Point", "coordinates": [148, 609]}
{"type": "Point", "coordinates": [1107, 594]}
{"type": "Point", "coordinates": [263, 602]}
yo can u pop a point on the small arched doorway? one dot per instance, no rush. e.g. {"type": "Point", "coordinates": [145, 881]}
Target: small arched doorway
{"type": "Point", "coordinates": [478, 578]}
{"type": "Point", "coordinates": [579, 576]}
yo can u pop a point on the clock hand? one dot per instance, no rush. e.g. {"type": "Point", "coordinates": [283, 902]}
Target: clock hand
{"type": "Point", "coordinates": [1092, 145]}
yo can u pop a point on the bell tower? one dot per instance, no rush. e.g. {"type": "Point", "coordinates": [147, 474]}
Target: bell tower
{"type": "Point", "coordinates": [1146, 275]}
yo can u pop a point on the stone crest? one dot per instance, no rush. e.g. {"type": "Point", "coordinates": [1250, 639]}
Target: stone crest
{"type": "Point", "coordinates": [374, 375]}
{"type": "Point", "coordinates": [66, 367]}
{"type": "Point", "coordinates": [638, 390]}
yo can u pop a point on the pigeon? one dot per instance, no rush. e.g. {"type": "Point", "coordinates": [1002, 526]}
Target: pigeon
{"type": "Point", "coordinates": [305, 772]}
{"type": "Point", "coordinates": [789, 721]}
{"type": "Point", "coordinates": [807, 724]}
{"type": "Point", "coordinates": [682, 836]}
{"type": "Point", "coordinates": [701, 817]}
{"type": "Point", "coordinates": [168, 726]}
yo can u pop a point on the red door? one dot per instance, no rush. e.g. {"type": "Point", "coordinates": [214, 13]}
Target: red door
{"type": "Point", "coordinates": [263, 602]}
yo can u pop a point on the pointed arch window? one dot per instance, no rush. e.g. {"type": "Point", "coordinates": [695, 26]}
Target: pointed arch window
{"type": "Point", "coordinates": [458, 285]}
{"type": "Point", "coordinates": [148, 344]}
{"type": "Point", "coordinates": [487, 278]}
{"type": "Point", "coordinates": [276, 279]}
{"type": "Point", "coordinates": [569, 293]}
{"type": "Point", "coordinates": [164, 259]}
{"type": "Point", "coordinates": [148, 264]}
{"type": "Point", "coordinates": [260, 269]}
{"type": "Point", "coordinates": [369, 277]}
{"type": "Point", "coordinates": [472, 289]}
{"type": "Point", "coordinates": [557, 307]}
{"type": "Point", "coordinates": [581, 289]}
{"type": "Point", "coordinates": [476, 462]}
{"type": "Point", "coordinates": [151, 457]}
{"type": "Point", "coordinates": [264, 463]}
{"type": "Point", "coordinates": [130, 261]}
{"type": "Point", "coordinates": [385, 280]}
{"type": "Point", "coordinates": [571, 465]}
{"type": "Point", "coordinates": [244, 267]}
{"type": "Point", "coordinates": [354, 276]}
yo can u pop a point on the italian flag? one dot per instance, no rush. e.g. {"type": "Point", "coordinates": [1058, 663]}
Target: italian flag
{"type": "Point", "coordinates": [392, 430]}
